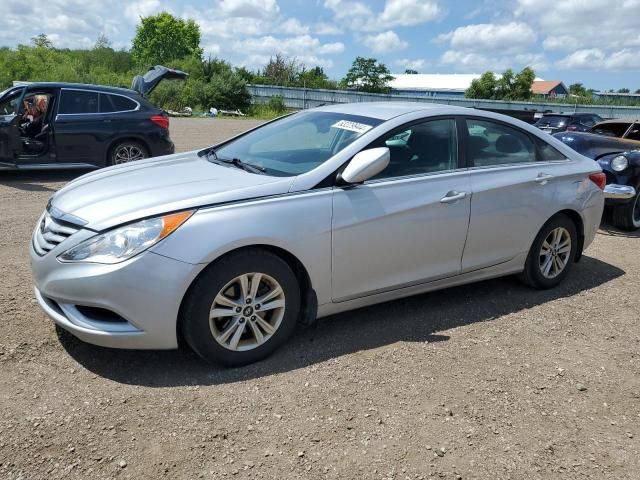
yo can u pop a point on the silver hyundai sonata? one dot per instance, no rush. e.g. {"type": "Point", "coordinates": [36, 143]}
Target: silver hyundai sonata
{"type": "Point", "coordinates": [315, 213]}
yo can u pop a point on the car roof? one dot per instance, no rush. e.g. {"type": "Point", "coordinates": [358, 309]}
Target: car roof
{"type": "Point", "coordinates": [388, 110]}
{"type": "Point", "coordinates": [619, 120]}
{"type": "Point", "coordinates": [562, 114]}
{"type": "Point", "coordinates": [82, 86]}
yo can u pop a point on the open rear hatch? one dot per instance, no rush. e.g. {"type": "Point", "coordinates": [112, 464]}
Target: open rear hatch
{"type": "Point", "coordinates": [144, 84]}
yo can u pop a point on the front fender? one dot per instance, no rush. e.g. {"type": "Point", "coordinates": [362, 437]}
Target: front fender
{"type": "Point", "coordinates": [299, 223]}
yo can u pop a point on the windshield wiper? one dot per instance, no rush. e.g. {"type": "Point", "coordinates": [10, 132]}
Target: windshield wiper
{"type": "Point", "coordinates": [236, 162]}
{"type": "Point", "coordinates": [249, 167]}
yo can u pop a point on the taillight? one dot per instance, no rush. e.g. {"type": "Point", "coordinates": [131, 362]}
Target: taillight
{"type": "Point", "coordinates": [161, 121]}
{"type": "Point", "coordinates": [600, 179]}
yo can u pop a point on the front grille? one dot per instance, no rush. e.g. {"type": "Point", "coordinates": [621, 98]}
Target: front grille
{"type": "Point", "coordinates": [50, 233]}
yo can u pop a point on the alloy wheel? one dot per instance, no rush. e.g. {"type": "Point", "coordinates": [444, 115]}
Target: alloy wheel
{"type": "Point", "coordinates": [555, 252]}
{"type": "Point", "coordinates": [247, 311]}
{"type": "Point", "coordinates": [128, 153]}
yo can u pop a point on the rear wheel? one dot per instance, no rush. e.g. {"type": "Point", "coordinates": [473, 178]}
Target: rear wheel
{"type": "Point", "coordinates": [125, 152]}
{"type": "Point", "coordinates": [552, 254]}
{"type": "Point", "coordinates": [627, 216]}
{"type": "Point", "coordinates": [242, 308]}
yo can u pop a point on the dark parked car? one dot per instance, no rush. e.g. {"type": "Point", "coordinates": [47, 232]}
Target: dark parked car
{"type": "Point", "coordinates": [572, 122]}
{"type": "Point", "coordinates": [615, 145]}
{"type": "Point", "coordinates": [64, 125]}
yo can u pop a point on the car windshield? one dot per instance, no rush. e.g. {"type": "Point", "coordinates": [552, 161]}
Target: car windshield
{"type": "Point", "coordinates": [552, 121]}
{"type": "Point", "coordinates": [296, 144]}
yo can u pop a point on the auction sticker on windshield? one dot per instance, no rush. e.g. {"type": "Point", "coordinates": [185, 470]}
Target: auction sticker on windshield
{"type": "Point", "coordinates": [352, 126]}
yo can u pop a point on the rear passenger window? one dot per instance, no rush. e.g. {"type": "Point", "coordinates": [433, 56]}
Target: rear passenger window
{"type": "Point", "coordinates": [115, 103]}
{"type": "Point", "coordinates": [491, 143]}
{"type": "Point", "coordinates": [78, 101]}
{"type": "Point", "coordinates": [547, 153]}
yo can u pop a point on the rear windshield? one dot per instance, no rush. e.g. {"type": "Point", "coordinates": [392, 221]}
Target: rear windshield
{"type": "Point", "coordinates": [298, 143]}
{"type": "Point", "coordinates": [552, 121]}
{"type": "Point", "coordinates": [611, 129]}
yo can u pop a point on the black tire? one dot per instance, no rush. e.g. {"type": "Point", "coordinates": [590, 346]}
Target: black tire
{"type": "Point", "coordinates": [627, 216]}
{"type": "Point", "coordinates": [116, 152]}
{"type": "Point", "coordinates": [195, 322]}
{"type": "Point", "coordinates": [532, 274]}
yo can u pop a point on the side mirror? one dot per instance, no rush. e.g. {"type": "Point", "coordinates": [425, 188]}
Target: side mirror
{"type": "Point", "coordinates": [365, 165]}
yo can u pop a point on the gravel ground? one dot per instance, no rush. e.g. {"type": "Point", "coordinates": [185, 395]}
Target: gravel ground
{"type": "Point", "coordinates": [487, 381]}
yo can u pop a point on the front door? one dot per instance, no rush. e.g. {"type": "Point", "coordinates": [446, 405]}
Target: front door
{"type": "Point", "coordinates": [9, 126]}
{"type": "Point", "coordinates": [408, 225]}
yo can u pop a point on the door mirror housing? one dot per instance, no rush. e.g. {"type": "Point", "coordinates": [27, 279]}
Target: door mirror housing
{"type": "Point", "coordinates": [365, 165]}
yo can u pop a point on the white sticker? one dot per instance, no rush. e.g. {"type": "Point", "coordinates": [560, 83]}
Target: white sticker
{"type": "Point", "coordinates": [352, 126]}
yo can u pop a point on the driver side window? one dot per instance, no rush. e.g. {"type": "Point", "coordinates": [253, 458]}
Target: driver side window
{"type": "Point", "coordinates": [9, 105]}
{"type": "Point", "coordinates": [425, 147]}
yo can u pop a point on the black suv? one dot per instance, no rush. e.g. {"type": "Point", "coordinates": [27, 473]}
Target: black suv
{"type": "Point", "coordinates": [567, 122]}
{"type": "Point", "coordinates": [65, 125]}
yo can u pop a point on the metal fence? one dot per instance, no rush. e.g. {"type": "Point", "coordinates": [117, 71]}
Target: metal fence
{"type": "Point", "coordinates": [302, 98]}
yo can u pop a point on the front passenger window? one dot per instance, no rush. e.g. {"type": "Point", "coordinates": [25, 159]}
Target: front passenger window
{"type": "Point", "coordinates": [491, 143]}
{"type": "Point", "coordinates": [426, 147]}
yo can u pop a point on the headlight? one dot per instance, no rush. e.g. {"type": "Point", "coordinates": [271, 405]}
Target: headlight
{"type": "Point", "coordinates": [619, 163]}
{"type": "Point", "coordinates": [125, 242]}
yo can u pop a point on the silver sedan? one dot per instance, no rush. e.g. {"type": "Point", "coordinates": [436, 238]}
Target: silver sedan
{"type": "Point", "coordinates": [315, 213]}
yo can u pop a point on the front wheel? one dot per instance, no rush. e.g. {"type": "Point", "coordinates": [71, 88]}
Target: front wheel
{"type": "Point", "coordinates": [552, 254]}
{"type": "Point", "coordinates": [242, 308]}
{"type": "Point", "coordinates": [627, 216]}
{"type": "Point", "coordinates": [125, 152]}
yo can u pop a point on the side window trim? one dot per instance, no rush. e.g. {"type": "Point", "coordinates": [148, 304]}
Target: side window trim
{"type": "Point", "coordinates": [532, 138]}
{"type": "Point", "coordinates": [62, 90]}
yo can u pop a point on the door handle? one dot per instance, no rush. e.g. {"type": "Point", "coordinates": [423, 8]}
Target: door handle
{"type": "Point", "coordinates": [453, 196]}
{"type": "Point", "coordinates": [543, 178]}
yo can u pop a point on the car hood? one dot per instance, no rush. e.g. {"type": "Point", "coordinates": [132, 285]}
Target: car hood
{"type": "Point", "coordinates": [124, 193]}
{"type": "Point", "coordinates": [594, 146]}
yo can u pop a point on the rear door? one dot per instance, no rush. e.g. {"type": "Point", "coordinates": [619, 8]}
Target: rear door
{"type": "Point", "coordinates": [145, 84]}
{"type": "Point", "coordinates": [514, 180]}
{"type": "Point", "coordinates": [80, 129]}
{"type": "Point", "coordinates": [9, 126]}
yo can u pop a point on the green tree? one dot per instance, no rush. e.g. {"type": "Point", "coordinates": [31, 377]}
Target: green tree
{"type": "Point", "coordinates": [624, 90]}
{"type": "Point", "coordinates": [483, 87]}
{"type": "Point", "coordinates": [577, 89]}
{"type": "Point", "coordinates": [410, 71]}
{"type": "Point", "coordinates": [509, 86]}
{"type": "Point", "coordinates": [367, 75]}
{"type": "Point", "coordinates": [41, 41]}
{"type": "Point", "coordinates": [162, 38]}
{"type": "Point", "coordinates": [521, 86]}
{"type": "Point", "coordinates": [637, 91]}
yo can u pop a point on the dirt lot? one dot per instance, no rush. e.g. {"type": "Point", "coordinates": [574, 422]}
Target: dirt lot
{"type": "Point", "coordinates": [488, 381]}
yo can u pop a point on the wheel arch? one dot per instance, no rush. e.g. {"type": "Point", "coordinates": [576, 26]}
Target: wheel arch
{"type": "Point", "coordinates": [579, 223]}
{"type": "Point", "coordinates": [127, 138]}
{"type": "Point", "coordinates": [308, 297]}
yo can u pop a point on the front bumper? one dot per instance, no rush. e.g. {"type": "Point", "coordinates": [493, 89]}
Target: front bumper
{"type": "Point", "coordinates": [133, 304]}
{"type": "Point", "coordinates": [619, 193]}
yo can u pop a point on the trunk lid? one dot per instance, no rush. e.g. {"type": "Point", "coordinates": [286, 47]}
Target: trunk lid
{"type": "Point", "coordinates": [144, 84]}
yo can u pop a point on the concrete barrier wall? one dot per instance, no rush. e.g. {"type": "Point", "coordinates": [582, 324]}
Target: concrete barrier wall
{"type": "Point", "coordinates": [302, 98]}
